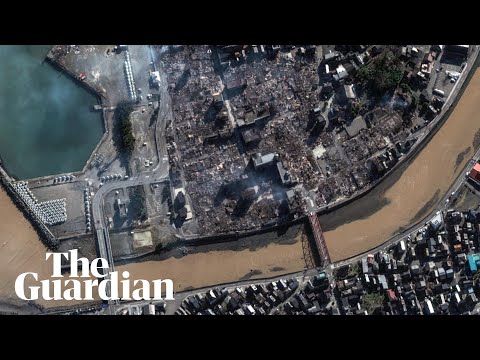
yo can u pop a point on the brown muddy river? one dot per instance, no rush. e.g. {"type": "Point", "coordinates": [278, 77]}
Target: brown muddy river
{"type": "Point", "coordinates": [20, 251]}
{"type": "Point", "coordinates": [412, 193]}
{"type": "Point", "coordinates": [214, 267]}
{"type": "Point", "coordinates": [406, 196]}
{"type": "Point", "coordinates": [20, 247]}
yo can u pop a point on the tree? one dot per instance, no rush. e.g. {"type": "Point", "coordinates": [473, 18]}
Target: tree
{"type": "Point", "coordinates": [137, 203]}
{"type": "Point", "coordinates": [165, 193]}
{"type": "Point", "coordinates": [355, 110]}
{"type": "Point", "coordinates": [405, 88]}
{"type": "Point", "coordinates": [414, 100]}
{"type": "Point", "coordinates": [382, 74]}
{"type": "Point", "coordinates": [124, 125]}
{"type": "Point", "coordinates": [372, 301]}
{"type": "Point", "coordinates": [354, 270]}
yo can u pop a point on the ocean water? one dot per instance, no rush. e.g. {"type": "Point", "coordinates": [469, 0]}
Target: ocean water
{"type": "Point", "coordinates": [47, 125]}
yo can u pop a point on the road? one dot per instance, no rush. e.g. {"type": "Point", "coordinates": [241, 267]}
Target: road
{"type": "Point", "coordinates": [422, 134]}
{"type": "Point", "coordinates": [157, 174]}
{"type": "Point", "coordinates": [442, 204]}
{"type": "Point", "coordinates": [160, 172]}
{"type": "Point", "coordinates": [172, 306]}
{"type": "Point", "coordinates": [411, 231]}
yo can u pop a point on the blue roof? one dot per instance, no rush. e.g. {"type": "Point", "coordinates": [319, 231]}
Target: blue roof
{"type": "Point", "coordinates": [473, 261]}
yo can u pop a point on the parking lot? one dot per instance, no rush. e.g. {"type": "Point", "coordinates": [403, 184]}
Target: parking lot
{"type": "Point", "coordinates": [443, 81]}
{"type": "Point", "coordinates": [158, 197]}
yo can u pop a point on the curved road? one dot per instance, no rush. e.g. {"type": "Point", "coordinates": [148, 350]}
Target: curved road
{"type": "Point", "coordinates": [157, 174]}
{"type": "Point", "coordinates": [441, 205]}
{"type": "Point", "coordinates": [160, 172]}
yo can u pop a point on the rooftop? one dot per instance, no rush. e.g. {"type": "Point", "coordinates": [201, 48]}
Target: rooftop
{"type": "Point", "coordinates": [355, 126]}
{"type": "Point", "coordinates": [260, 160]}
{"type": "Point", "coordinates": [475, 172]}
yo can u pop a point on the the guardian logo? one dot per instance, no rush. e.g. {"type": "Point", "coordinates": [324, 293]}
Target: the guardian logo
{"type": "Point", "coordinates": [73, 288]}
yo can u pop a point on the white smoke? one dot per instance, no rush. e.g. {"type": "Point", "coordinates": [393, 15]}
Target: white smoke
{"type": "Point", "coordinates": [393, 103]}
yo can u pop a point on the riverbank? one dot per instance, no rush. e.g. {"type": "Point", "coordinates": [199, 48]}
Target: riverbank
{"type": "Point", "coordinates": [21, 251]}
{"type": "Point", "coordinates": [413, 191]}
{"type": "Point", "coordinates": [20, 248]}
{"type": "Point", "coordinates": [258, 256]}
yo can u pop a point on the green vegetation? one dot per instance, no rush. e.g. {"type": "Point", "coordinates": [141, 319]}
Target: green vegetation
{"type": "Point", "coordinates": [405, 88]}
{"type": "Point", "coordinates": [410, 109]}
{"type": "Point", "coordinates": [166, 193]}
{"type": "Point", "coordinates": [414, 99]}
{"type": "Point", "coordinates": [423, 109]}
{"type": "Point", "coordinates": [354, 270]}
{"type": "Point", "coordinates": [372, 301]}
{"type": "Point", "coordinates": [137, 203]}
{"type": "Point", "coordinates": [347, 272]}
{"type": "Point", "coordinates": [382, 74]}
{"type": "Point", "coordinates": [122, 121]}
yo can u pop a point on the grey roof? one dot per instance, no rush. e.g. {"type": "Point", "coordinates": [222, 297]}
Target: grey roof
{"type": "Point", "coordinates": [349, 94]}
{"type": "Point", "coordinates": [330, 55]}
{"type": "Point", "coordinates": [284, 175]}
{"type": "Point", "coordinates": [355, 126]}
{"type": "Point", "coordinates": [290, 194]}
{"type": "Point", "coordinates": [260, 160]}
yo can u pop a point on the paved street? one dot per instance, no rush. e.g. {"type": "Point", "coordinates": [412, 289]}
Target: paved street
{"type": "Point", "coordinates": [442, 204]}
{"type": "Point", "coordinates": [159, 173]}
{"type": "Point", "coordinates": [172, 306]}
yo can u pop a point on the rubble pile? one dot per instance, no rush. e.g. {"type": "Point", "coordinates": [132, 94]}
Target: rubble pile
{"type": "Point", "coordinates": [300, 108]}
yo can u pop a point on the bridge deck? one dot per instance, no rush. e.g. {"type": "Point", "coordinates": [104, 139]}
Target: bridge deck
{"type": "Point", "coordinates": [319, 239]}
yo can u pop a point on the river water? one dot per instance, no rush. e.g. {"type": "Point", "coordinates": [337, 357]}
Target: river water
{"type": "Point", "coordinates": [407, 195]}
{"type": "Point", "coordinates": [46, 123]}
{"type": "Point", "coordinates": [412, 191]}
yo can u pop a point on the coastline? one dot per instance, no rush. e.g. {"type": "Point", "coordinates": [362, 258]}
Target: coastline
{"type": "Point", "coordinates": [436, 124]}
{"type": "Point", "coordinates": [226, 237]}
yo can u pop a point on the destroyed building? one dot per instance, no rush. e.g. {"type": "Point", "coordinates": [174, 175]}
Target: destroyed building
{"type": "Point", "coordinates": [278, 117]}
